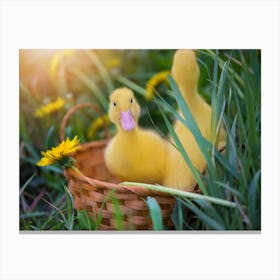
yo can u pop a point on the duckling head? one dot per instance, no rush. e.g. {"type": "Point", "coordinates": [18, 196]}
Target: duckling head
{"type": "Point", "coordinates": [185, 70]}
{"type": "Point", "coordinates": [124, 110]}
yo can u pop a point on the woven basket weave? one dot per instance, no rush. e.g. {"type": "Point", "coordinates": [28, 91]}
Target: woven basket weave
{"type": "Point", "coordinates": [91, 187]}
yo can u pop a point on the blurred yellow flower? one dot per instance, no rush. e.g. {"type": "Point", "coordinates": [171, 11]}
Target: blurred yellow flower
{"type": "Point", "coordinates": [155, 80]}
{"type": "Point", "coordinates": [56, 60]}
{"type": "Point", "coordinates": [67, 52]}
{"type": "Point", "coordinates": [61, 153]}
{"type": "Point", "coordinates": [96, 124]}
{"type": "Point", "coordinates": [50, 108]}
{"type": "Point", "coordinates": [112, 62]}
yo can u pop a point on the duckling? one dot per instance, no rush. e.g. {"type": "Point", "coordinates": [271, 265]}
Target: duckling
{"type": "Point", "coordinates": [134, 153]}
{"type": "Point", "coordinates": [185, 72]}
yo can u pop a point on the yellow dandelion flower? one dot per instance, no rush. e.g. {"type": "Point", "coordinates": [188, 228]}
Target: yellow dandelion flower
{"type": "Point", "coordinates": [50, 108]}
{"type": "Point", "coordinates": [157, 79]}
{"type": "Point", "coordinates": [96, 124]}
{"type": "Point", "coordinates": [56, 60]}
{"type": "Point", "coordinates": [62, 153]}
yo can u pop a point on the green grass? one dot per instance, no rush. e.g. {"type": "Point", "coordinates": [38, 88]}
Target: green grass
{"type": "Point", "coordinates": [230, 81]}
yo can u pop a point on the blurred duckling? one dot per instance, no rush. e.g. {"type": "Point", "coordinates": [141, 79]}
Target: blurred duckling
{"type": "Point", "coordinates": [185, 72]}
{"type": "Point", "coordinates": [134, 153]}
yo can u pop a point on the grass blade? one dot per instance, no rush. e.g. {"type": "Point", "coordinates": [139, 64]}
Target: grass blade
{"type": "Point", "coordinates": [155, 213]}
{"type": "Point", "coordinates": [31, 150]}
{"type": "Point", "coordinates": [177, 216]}
{"type": "Point", "coordinates": [191, 124]}
{"type": "Point", "coordinates": [218, 108]}
{"type": "Point", "coordinates": [228, 188]}
{"type": "Point", "coordinates": [233, 158]}
{"type": "Point", "coordinates": [204, 217]}
{"type": "Point", "coordinates": [256, 66]}
{"type": "Point", "coordinates": [118, 216]}
{"type": "Point", "coordinates": [84, 220]}
{"type": "Point", "coordinates": [24, 134]}
{"type": "Point", "coordinates": [226, 164]}
{"type": "Point", "coordinates": [93, 87]}
{"type": "Point", "coordinates": [131, 85]}
{"type": "Point", "coordinates": [183, 153]}
{"type": "Point", "coordinates": [210, 210]}
{"type": "Point", "coordinates": [26, 184]}
{"type": "Point", "coordinates": [98, 219]}
{"type": "Point", "coordinates": [214, 97]}
{"type": "Point", "coordinates": [33, 215]}
{"type": "Point", "coordinates": [70, 210]}
{"type": "Point", "coordinates": [49, 138]}
{"type": "Point", "coordinates": [102, 70]}
{"type": "Point", "coordinates": [181, 193]}
{"type": "Point", "coordinates": [253, 198]}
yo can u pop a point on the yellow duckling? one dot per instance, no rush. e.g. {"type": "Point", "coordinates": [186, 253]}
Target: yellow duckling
{"type": "Point", "coordinates": [185, 72]}
{"type": "Point", "coordinates": [134, 153]}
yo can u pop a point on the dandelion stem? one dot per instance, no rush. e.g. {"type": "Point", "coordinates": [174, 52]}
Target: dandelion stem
{"type": "Point", "coordinates": [73, 167]}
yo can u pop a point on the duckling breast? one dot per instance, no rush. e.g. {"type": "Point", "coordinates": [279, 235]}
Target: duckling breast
{"type": "Point", "coordinates": [140, 157]}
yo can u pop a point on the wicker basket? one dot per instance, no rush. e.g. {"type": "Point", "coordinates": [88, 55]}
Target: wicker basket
{"type": "Point", "coordinates": [91, 187]}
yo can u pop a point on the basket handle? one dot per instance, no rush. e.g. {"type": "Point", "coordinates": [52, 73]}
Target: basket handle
{"type": "Point", "coordinates": [73, 110]}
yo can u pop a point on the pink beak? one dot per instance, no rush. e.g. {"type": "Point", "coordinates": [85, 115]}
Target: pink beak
{"type": "Point", "coordinates": [127, 120]}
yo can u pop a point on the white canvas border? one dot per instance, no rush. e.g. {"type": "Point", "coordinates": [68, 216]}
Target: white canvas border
{"type": "Point", "coordinates": [153, 24]}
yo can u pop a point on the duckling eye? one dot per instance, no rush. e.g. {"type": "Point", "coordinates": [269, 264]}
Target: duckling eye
{"type": "Point", "coordinates": [131, 100]}
{"type": "Point", "coordinates": [114, 104]}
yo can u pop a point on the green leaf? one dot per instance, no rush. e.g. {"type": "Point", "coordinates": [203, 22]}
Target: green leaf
{"type": "Point", "coordinates": [155, 213]}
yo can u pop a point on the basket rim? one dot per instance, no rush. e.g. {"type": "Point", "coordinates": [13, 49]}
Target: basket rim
{"type": "Point", "coordinates": [91, 144]}
{"type": "Point", "coordinates": [75, 108]}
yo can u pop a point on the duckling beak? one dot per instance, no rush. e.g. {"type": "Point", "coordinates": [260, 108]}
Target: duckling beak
{"type": "Point", "coordinates": [127, 120]}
